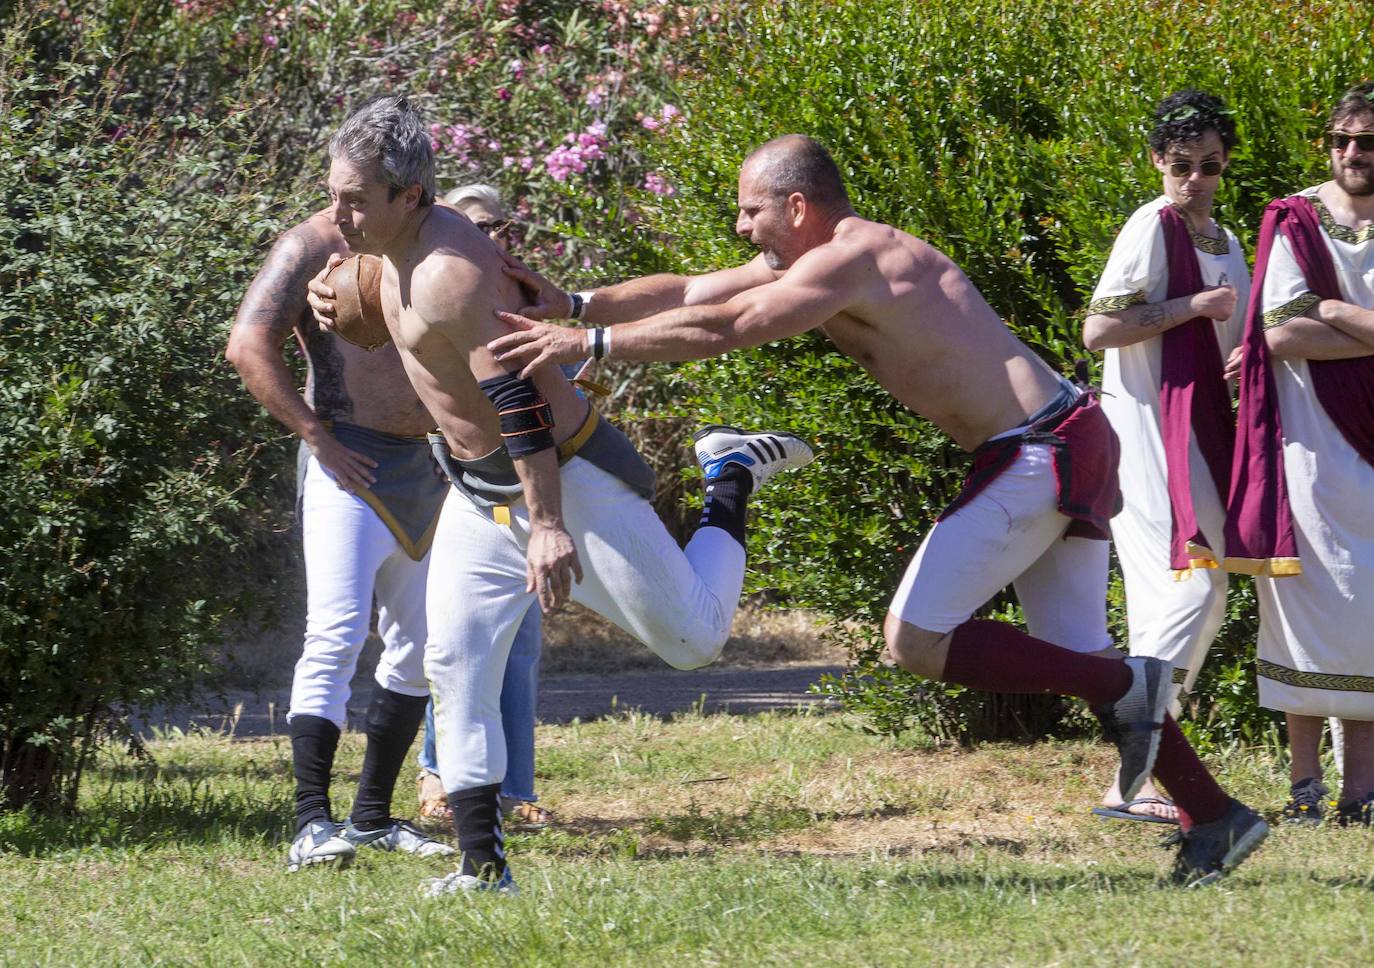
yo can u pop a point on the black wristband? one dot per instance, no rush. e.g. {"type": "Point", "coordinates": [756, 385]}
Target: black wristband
{"type": "Point", "coordinates": [598, 343]}
{"type": "Point", "coordinates": [577, 303]}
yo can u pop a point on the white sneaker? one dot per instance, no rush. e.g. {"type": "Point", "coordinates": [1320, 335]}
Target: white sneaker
{"type": "Point", "coordinates": [457, 883]}
{"type": "Point", "coordinates": [400, 835]}
{"type": "Point", "coordinates": [321, 842]}
{"type": "Point", "coordinates": [764, 453]}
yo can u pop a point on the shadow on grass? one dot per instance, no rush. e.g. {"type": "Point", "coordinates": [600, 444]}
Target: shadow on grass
{"type": "Point", "coordinates": [699, 831]}
{"type": "Point", "coordinates": [187, 811]}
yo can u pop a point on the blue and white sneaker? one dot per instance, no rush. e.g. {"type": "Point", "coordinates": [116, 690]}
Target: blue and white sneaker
{"type": "Point", "coordinates": [320, 842]}
{"type": "Point", "coordinates": [763, 454]}
{"type": "Point", "coordinates": [399, 835]}
{"type": "Point", "coordinates": [457, 883]}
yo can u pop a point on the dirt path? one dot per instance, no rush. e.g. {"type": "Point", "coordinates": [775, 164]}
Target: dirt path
{"type": "Point", "coordinates": [562, 698]}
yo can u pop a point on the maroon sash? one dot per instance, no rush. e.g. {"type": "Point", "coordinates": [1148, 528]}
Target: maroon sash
{"type": "Point", "coordinates": [1086, 452]}
{"type": "Point", "coordinates": [1259, 526]}
{"type": "Point", "coordinates": [1192, 400]}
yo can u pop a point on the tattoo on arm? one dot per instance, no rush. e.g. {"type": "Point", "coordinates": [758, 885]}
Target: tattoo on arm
{"type": "Point", "coordinates": [1151, 315]}
{"type": "Point", "coordinates": [276, 298]}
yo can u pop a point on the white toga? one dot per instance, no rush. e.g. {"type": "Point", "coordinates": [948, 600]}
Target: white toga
{"type": "Point", "coordinates": [1316, 657]}
{"type": "Point", "coordinates": [1175, 620]}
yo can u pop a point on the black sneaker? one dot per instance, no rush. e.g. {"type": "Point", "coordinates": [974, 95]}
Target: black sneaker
{"type": "Point", "coordinates": [1134, 721]}
{"type": "Point", "coordinates": [1306, 803]}
{"type": "Point", "coordinates": [1356, 812]}
{"type": "Point", "coordinates": [1211, 850]}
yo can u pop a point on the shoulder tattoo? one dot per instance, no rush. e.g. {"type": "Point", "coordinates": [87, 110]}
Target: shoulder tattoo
{"type": "Point", "coordinates": [276, 297]}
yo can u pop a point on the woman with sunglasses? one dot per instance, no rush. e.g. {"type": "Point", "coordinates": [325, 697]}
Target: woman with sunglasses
{"type": "Point", "coordinates": [1167, 311]}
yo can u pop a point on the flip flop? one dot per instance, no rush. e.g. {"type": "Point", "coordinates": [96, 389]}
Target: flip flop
{"type": "Point", "coordinates": [1122, 811]}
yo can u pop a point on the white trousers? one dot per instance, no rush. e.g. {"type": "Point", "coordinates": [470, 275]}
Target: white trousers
{"type": "Point", "coordinates": [680, 602]}
{"type": "Point", "coordinates": [350, 555]}
{"type": "Point", "coordinates": [1011, 533]}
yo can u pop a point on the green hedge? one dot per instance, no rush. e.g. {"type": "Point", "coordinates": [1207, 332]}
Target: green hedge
{"type": "Point", "coordinates": [1012, 136]}
{"type": "Point", "coordinates": [149, 152]}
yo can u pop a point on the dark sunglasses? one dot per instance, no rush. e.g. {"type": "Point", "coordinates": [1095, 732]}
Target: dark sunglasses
{"type": "Point", "coordinates": [1182, 169]}
{"type": "Point", "coordinates": [493, 227]}
{"type": "Point", "coordinates": [1340, 140]}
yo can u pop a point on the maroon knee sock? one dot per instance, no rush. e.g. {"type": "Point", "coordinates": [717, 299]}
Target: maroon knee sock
{"type": "Point", "coordinates": [1001, 658]}
{"type": "Point", "coordinates": [1195, 792]}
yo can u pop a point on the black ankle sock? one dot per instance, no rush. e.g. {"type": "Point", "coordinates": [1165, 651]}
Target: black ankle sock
{"type": "Point", "coordinates": [313, 742]}
{"type": "Point", "coordinates": [477, 820]}
{"type": "Point", "coordinates": [726, 498]}
{"type": "Point", "coordinates": [392, 722]}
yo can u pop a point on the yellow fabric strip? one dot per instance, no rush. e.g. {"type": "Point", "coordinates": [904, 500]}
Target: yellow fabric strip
{"type": "Point", "coordinates": [591, 386]}
{"type": "Point", "coordinates": [574, 443]}
{"type": "Point", "coordinates": [500, 513]}
{"type": "Point", "coordinates": [415, 550]}
{"type": "Point", "coordinates": [1271, 567]}
{"type": "Point", "coordinates": [1199, 556]}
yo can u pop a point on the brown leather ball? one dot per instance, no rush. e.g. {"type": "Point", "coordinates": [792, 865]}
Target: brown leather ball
{"type": "Point", "coordinates": [357, 285]}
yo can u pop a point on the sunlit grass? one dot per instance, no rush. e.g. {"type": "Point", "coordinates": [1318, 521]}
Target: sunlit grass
{"type": "Point", "coordinates": [776, 839]}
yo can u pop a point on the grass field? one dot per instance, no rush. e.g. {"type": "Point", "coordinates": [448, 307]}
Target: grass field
{"type": "Point", "coordinates": [706, 840]}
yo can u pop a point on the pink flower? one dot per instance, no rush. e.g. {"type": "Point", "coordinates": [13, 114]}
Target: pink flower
{"type": "Point", "coordinates": [650, 122]}
{"type": "Point", "coordinates": [670, 113]}
{"type": "Point", "coordinates": [658, 185]}
{"type": "Point", "coordinates": [596, 97]}
{"type": "Point", "coordinates": [503, 94]}
{"type": "Point", "coordinates": [269, 40]}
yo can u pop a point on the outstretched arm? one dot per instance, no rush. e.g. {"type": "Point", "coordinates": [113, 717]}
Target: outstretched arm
{"type": "Point", "coordinates": [820, 285]}
{"type": "Point", "coordinates": [636, 298]}
{"type": "Point", "coordinates": [274, 304]}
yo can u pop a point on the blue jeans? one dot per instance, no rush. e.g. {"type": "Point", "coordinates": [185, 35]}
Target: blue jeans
{"type": "Point", "coordinates": [519, 695]}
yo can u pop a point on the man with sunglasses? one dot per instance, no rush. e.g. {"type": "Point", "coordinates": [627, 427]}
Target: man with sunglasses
{"type": "Point", "coordinates": [1167, 311]}
{"type": "Point", "coordinates": [1042, 487]}
{"type": "Point", "coordinates": [1304, 470]}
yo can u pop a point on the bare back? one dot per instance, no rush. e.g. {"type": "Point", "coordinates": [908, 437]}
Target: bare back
{"type": "Point", "coordinates": [440, 293]}
{"type": "Point", "coordinates": [920, 328]}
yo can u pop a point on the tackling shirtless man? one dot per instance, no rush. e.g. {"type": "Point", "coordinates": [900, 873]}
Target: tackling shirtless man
{"type": "Point", "coordinates": [369, 500]}
{"type": "Point", "coordinates": [546, 492]}
{"type": "Point", "coordinates": [1028, 514]}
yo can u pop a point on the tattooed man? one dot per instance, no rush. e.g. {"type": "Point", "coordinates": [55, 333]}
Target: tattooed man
{"type": "Point", "coordinates": [1167, 311]}
{"type": "Point", "coordinates": [369, 500]}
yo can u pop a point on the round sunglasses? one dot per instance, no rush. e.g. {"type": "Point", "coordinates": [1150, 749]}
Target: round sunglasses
{"type": "Point", "coordinates": [1182, 169]}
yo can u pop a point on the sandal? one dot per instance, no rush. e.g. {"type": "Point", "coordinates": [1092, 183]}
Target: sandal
{"type": "Point", "coordinates": [433, 800]}
{"type": "Point", "coordinates": [1122, 811]}
{"type": "Point", "coordinates": [524, 815]}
